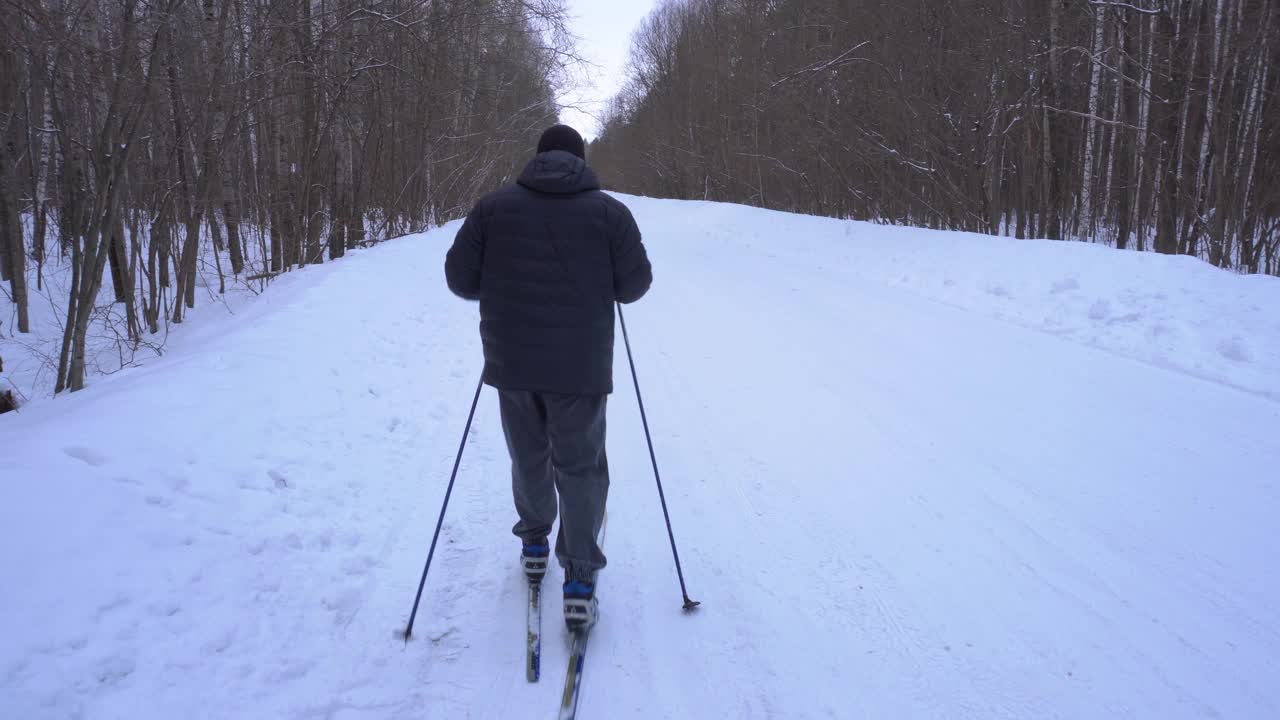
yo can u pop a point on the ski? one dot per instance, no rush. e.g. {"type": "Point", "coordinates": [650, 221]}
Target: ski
{"type": "Point", "coordinates": [573, 678]}
{"type": "Point", "coordinates": [578, 655]}
{"type": "Point", "coordinates": [533, 651]}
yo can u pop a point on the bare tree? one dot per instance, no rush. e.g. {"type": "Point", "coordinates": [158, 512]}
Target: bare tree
{"type": "Point", "coordinates": [1140, 123]}
{"type": "Point", "coordinates": [163, 142]}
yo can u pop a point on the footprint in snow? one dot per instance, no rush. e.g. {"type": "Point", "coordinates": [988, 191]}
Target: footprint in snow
{"type": "Point", "coordinates": [278, 477]}
{"type": "Point", "coordinates": [344, 605]}
{"type": "Point", "coordinates": [117, 602]}
{"type": "Point", "coordinates": [164, 608]}
{"type": "Point", "coordinates": [86, 455]}
{"type": "Point", "coordinates": [159, 501]}
{"type": "Point", "coordinates": [323, 540]}
{"type": "Point", "coordinates": [177, 483]}
{"type": "Point", "coordinates": [220, 641]}
{"type": "Point", "coordinates": [15, 670]}
{"type": "Point", "coordinates": [112, 670]}
{"type": "Point", "coordinates": [292, 670]}
{"type": "Point", "coordinates": [358, 566]}
{"type": "Point", "coordinates": [1235, 348]}
{"type": "Point", "coordinates": [1132, 317]}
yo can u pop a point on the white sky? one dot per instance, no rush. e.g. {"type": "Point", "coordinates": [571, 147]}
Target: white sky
{"type": "Point", "coordinates": [604, 31]}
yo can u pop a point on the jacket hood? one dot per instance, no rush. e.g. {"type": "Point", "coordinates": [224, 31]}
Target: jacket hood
{"type": "Point", "coordinates": [558, 172]}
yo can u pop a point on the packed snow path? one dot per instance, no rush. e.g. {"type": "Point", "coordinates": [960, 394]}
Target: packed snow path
{"type": "Point", "coordinates": [892, 503]}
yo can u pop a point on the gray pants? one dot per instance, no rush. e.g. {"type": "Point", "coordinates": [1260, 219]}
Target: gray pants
{"type": "Point", "coordinates": [557, 448]}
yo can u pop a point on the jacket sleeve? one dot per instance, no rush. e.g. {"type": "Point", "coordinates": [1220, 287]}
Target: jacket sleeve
{"type": "Point", "coordinates": [464, 260]}
{"type": "Point", "coordinates": [632, 274]}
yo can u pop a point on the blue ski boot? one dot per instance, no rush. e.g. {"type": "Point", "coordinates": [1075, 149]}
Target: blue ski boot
{"type": "Point", "coordinates": [533, 558]}
{"type": "Point", "coordinates": [581, 609]}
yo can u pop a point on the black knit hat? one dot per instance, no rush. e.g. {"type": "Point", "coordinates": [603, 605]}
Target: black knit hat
{"type": "Point", "coordinates": [562, 137]}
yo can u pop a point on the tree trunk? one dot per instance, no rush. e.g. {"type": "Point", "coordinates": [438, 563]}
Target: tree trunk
{"type": "Point", "coordinates": [1204, 170]}
{"type": "Point", "coordinates": [231, 217]}
{"type": "Point", "coordinates": [1247, 212]}
{"type": "Point", "coordinates": [131, 268]}
{"type": "Point", "coordinates": [68, 332]}
{"type": "Point", "coordinates": [1085, 221]}
{"type": "Point", "coordinates": [1188, 216]}
{"type": "Point", "coordinates": [1166, 240]}
{"type": "Point", "coordinates": [39, 153]}
{"type": "Point", "coordinates": [5, 260]}
{"type": "Point", "coordinates": [157, 275]}
{"type": "Point", "coordinates": [12, 244]}
{"type": "Point", "coordinates": [118, 256]}
{"type": "Point", "coordinates": [1128, 114]}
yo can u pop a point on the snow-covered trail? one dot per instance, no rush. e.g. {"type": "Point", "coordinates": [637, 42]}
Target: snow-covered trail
{"type": "Point", "coordinates": [890, 506]}
{"type": "Point", "coordinates": [940, 515]}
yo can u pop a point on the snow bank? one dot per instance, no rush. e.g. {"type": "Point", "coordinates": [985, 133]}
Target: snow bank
{"type": "Point", "coordinates": [1175, 312]}
{"type": "Point", "coordinates": [31, 359]}
{"type": "Point", "coordinates": [167, 527]}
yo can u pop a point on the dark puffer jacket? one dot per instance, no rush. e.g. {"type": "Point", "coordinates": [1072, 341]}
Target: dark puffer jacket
{"type": "Point", "coordinates": [547, 257]}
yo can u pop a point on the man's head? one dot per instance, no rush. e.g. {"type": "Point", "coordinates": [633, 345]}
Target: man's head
{"type": "Point", "coordinates": [562, 137]}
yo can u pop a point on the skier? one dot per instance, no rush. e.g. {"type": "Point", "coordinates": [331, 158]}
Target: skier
{"type": "Point", "coordinates": [547, 257]}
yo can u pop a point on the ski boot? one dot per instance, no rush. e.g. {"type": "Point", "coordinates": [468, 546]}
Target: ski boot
{"type": "Point", "coordinates": [581, 609]}
{"type": "Point", "coordinates": [533, 559]}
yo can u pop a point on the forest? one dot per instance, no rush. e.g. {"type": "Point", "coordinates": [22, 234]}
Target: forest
{"type": "Point", "coordinates": [148, 143]}
{"type": "Point", "coordinates": [150, 147]}
{"type": "Point", "coordinates": [1148, 124]}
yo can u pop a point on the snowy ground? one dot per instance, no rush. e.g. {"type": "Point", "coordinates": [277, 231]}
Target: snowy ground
{"type": "Point", "coordinates": [31, 360]}
{"type": "Point", "coordinates": [912, 474]}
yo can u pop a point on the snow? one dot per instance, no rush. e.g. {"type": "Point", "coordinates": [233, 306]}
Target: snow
{"type": "Point", "coordinates": [912, 475]}
{"type": "Point", "coordinates": [31, 360]}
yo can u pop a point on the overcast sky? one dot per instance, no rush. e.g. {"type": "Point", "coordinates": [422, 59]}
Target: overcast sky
{"type": "Point", "coordinates": [604, 28]}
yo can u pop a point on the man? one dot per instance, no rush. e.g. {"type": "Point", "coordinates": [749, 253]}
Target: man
{"type": "Point", "coordinates": [547, 258]}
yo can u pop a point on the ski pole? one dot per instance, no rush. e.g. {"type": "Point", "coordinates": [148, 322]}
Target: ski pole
{"type": "Point", "coordinates": [408, 630]}
{"type": "Point", "coordinates": [688, 604]}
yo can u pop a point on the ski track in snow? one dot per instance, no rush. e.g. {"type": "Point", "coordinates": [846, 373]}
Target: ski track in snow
{"type": "Point", "coordinates": [892, 504]}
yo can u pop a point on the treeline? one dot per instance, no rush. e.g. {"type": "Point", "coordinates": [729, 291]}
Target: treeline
{"type": "Point", "coordinates": [1148, 123]}
{"type": "Point", "coordinates": [142, 140]}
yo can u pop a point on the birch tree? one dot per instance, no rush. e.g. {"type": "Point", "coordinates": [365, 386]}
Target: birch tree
{"type": "Point", "coordinates": [1141, 123]}
{"type": "Point", "coordinates": [174, 149]}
